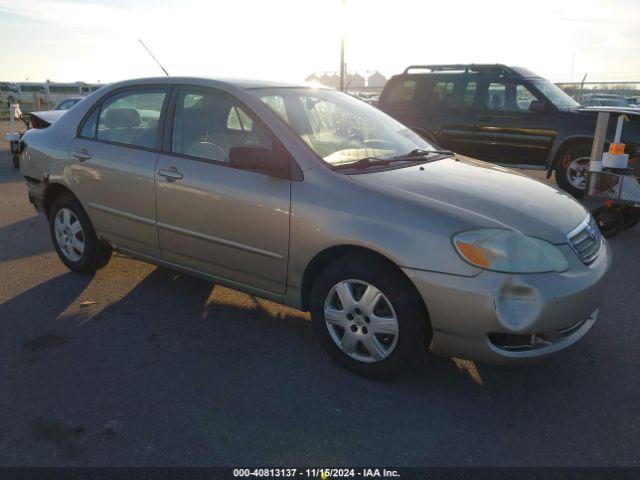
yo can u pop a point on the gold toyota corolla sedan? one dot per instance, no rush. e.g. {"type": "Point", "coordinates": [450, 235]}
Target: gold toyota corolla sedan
{"type": "Point", "coordinates": [314, 199]}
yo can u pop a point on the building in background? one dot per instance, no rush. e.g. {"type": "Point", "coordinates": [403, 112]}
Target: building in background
{"type": "Point", "coordinates": [376, 80]}
{"type": "Point", "coordinates": [354, 81]}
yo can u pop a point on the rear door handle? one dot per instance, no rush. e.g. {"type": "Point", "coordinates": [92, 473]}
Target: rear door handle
{"type": "Point", "coordinates": [171, 174]}
{"type": "Point", "coordinates": [82, 154]}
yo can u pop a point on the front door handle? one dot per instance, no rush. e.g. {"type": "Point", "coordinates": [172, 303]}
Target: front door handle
{"type": "Point", "coordinates": [82, 154]}
{"type": "Point", "coordinates": [171, 174]}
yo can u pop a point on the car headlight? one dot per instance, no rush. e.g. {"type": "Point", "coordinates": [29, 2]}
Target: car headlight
{"type": "Point", "coordinates": [509, 251]}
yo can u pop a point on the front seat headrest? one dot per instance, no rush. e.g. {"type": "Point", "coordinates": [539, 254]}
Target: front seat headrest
{"type": "Point", "coordinates": [122, 118]}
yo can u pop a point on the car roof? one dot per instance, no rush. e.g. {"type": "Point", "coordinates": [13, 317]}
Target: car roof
{"type": "Point", "coordinates": [246, 84]}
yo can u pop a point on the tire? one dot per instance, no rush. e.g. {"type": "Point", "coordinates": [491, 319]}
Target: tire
{"type": "Point", "coordinates": [630, 217]}
{"type": "Point", "coordinates": [371, 323]}
{"type": "Point", "coordinates": [571, 169]}
{"type": "Point", "coordinates": [70, 227]}
{"type": "Point", "coordinates": [16, 161]}
{"type": "Point", "coordinates": [610, 220]}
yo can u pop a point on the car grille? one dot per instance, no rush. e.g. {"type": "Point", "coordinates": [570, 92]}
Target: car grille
{"type": "Point", "coordinates": [586, 240]}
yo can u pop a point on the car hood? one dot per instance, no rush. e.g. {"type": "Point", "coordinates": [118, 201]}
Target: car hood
{"type": "Point", "coordinates": [484, 195]}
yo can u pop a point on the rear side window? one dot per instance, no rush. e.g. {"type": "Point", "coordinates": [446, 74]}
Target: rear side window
{"type": "Point", "coordinates": [403, 91]}
{"type": "Point", "coordinates": [497, 96]}
{"type": "Point", "coordinates": [469, 95]}
{"type": "Point", "coordinates": [90, 124]}
{"type": "Point", "coordinates": [442, 90]}
{"type": "Point", "coordinates": [131, 118]}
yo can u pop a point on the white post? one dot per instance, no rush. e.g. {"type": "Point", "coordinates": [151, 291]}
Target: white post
{"type": "Point", "coordinates": [12, 114]}
{"type": "Point", "coordinates": [595, 164]}
{"type": "Point", "coordinates": [619, 129]}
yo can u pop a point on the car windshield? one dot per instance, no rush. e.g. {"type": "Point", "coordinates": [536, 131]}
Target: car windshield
{"type": "Point", "coordinates": [613, 102]}
{"type": "Point", "coordinates": [554, 94]}
{"type": "Point", "coordinates": [339, 128]}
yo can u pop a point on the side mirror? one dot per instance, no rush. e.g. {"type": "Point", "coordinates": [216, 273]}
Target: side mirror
{"type": "Point", "coordinates": [538, 106]}
{"type": "Point", "coordinates": [259, 159]}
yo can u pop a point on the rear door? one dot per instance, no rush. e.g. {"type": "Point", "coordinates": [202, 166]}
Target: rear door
{"type": "Point", "coordinates": [439, 107]}
{"type": "Point", "coordinates": [114, 158]}
{"type": "Point", "coordinates": [453, 106]}
{"type": "Point", "coordinates": [230, 223]}
{"type": "Point", "coordinates": [508, 132]}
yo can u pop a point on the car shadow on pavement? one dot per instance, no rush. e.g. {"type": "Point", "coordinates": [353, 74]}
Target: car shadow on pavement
{"type": "Point", "coordinates": [205, 375]}
{"type": "Point", "coordinates": [26, 238]}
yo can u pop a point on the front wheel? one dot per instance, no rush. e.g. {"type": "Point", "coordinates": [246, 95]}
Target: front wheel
{"type": "Point", "coordinates": [74, 238]}
{"type": "Point", "coordinates": [368, 317]}
{"type": "Point", "coordinates": [572, 168]}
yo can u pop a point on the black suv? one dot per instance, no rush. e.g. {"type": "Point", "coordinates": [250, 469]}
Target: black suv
{"type": "Point", "coordinates": [504, 115]}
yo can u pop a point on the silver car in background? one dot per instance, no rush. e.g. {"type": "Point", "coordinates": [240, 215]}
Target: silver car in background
{"type": "Point", "coordinates": [317, 200]}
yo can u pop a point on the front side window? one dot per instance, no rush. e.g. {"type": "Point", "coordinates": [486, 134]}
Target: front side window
{"type": "Point", "coordinates": [239, 120]}
{"type": "Point", "coordinates": [524, 97]}
{"type": "Point", "coordinates": [342, 129]}
{"type": "Point", "coordinates": [132, 118]}
{"type": "Point", "coordinates": [207, 124]}
{"type": "Point", "coordinates": [508, 97]}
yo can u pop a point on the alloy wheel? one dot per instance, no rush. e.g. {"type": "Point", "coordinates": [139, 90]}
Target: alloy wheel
{"type": "Point", "coordinates": [577, 172]}
{"type": "Point", "coordinates": [69, 234]}
{"type": "Point", "coordinates": [361, 321]}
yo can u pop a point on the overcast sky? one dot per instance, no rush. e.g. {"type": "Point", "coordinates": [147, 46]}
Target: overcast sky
{"type": "Point", "coordinates": [96, 40]}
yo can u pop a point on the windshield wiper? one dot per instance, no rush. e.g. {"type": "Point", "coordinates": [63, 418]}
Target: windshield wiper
{"type": "Point", "coordinates": [366, 162]}
{"type": "Point", "coordinates": [362, 164]}
{"type": "Point", "coordinates": [419, 152]}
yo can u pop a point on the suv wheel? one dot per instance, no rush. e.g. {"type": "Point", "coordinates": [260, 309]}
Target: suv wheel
{"type": "Point", "coordinates": [74, 238]}
{"type": "Point", "coordinates": [367, 316]}
{"type": "Point", "coordinates": [571, 171]}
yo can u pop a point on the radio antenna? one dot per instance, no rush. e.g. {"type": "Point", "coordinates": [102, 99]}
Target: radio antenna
{"type": "Point", "coordinates": [154, 58]}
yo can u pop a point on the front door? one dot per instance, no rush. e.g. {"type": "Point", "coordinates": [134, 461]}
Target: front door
{"type": "Point", "coordinates": [232, 224]}
{"type": "Point", "coordinates": [114, 160]}
{"type": "Point", "coordinates": [507, 131]}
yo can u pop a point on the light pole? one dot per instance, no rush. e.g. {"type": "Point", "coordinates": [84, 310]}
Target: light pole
{"type": "Point", "coordinates": [342, 65]}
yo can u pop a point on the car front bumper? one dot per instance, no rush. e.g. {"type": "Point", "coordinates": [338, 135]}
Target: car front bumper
{"type": "Point", "coordinates": [503, 318]}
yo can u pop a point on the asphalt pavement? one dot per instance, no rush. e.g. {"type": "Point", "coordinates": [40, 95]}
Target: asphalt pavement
{"type": "Point", "coordinates": [140, 365]}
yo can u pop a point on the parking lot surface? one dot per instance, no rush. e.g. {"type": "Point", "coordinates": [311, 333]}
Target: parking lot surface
{"type": "Point", "coordinates": [139, 365]}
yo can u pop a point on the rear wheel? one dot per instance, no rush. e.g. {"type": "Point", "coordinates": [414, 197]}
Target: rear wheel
{"type": "Point", "coordinates": [74, 238]}
{"type": "Point", "coordinates": [610, 220]}
{"type": "Point", "coordinates": [572, 168]}
{"type": "Point", "coordinates": [367, 317]}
